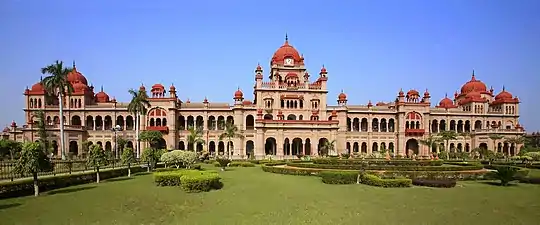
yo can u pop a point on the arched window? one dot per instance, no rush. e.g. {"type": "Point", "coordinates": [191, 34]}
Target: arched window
{"type": "Point", "coordinates": [157, 117]}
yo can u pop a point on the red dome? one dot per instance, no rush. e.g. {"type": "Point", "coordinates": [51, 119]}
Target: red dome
{"type": "Point", "coordinates": [446, 103]}
{"type": "Point", "coordinates": [323, 69]}
{"type": "Point", "coordinates": [37, 87]}
{"type": "Point", "coordinates": [342, 97]}
{"type": "Point", "coordinates": [238, 94]}
{"type": "Point", "coordinates": [75, 76]}
{"type": "Point", "coordinates": [158, 86]}
{"type": "Point", "coordinates": [413, 92]}
{"type": "Point", "coordinates": [102, 96]}
{"type": "Point", "coordinates": [504, 95]}
{"type": "Point", "coordinates": [473, 85]}
{"type": "Point", "coordinates": [80, 87]}
{"type": "Point", "coordinates": [259, 68]}
{"type": "Point", "coordinates": [286, 51]}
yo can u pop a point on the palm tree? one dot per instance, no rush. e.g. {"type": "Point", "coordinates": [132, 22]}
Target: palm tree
{"type": "Point", "coordinates": [57, 84]}
{"type": "Point", "coordinates": [230, 132]}
{"type": "Point", "coordinates": [431, 141]}
{"type": "Point", "coordinates": [446, 136]}
{"type": "Point", "coordinates": [138, 105]}
{"type": "Point", "coordinates": [194, 137]}
{"type": "Point", "coordinates": [494, 138]}
{"type": "Point", "coordinates": [329, 146]}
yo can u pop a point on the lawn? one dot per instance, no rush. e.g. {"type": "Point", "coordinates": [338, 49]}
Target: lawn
{"type": "Point", "coordinates": [251, 196]}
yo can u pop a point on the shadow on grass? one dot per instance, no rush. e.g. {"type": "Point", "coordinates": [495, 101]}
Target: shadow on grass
{"type": "Point", "coordinates": [497, 183]}
{"type": "Point", "coordinates": [141, 174]}
{"type": "Point", "coordinates": [118, 179]}
{"type": "Point", "coordinates": [11, 205]}
{"type": "Point", "coordinates": [69, 190]}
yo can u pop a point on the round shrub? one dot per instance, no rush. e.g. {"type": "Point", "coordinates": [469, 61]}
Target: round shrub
{"type": "Point", "coordinates": [434, 183]}
{"type": "Point", "coordinates": [200, 182]}
{"type": "Point", "coordinates": [339, 177]}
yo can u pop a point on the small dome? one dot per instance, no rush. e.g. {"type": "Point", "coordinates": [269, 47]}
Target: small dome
{"type": "Point", "coordinates": [426, 93]}
{"type": "Point", "coordinates": [172, 87]}
{"type": "Point", "coordinates": [413, 92]}
{"type": "Point", "coordinates": [504, 95]}
{"type": "Point", "coordinates": [75, 76]}
{"type": "Point", "coordinates": [342, 97]}
{"type": "Point", "coordinates": [6, 129]}
{"type": "Point", "coordinates": [259, 68]}
{"type": "Point", "coordinates": [323, 69]}
{"type": "Point", "coordinates": [473, 85]}
{"type": "Point", "coordinates": [13, 124]}
{"type": "Point", "coordinates": [401, 93]}
{"type": "Point", "coordinates": [238, 94]}
{"type": "Point", "coordinates": [286, 51]}
{"type": "Point", "coordinates": [102, 96]}
{"type": "Point", "coordinates": [38, 87]}
{"type": "Point", "coordinates": [158, 86]}
{"type": "Point", "coordinates": [446, 103]}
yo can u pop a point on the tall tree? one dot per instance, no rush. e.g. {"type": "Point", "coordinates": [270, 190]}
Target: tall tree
{"type": "Point", "coordinates": [97, 159]}
{"type": "Point", "coordinates": [230, 132]}
{"type": "Point", "coordinates": [57, 84]}
{"type": "Point", "coordinates": [152, 137]}
{"type": "Point", "coordinates": [128, 158]}
{"type": "Point", "coordinates": [194, 137]}
{"type": "Point", "coordinates": [494, 138]}
{"type": "Point", "coordinates": [32, 161]}
{"type": "Point", "coordinates": [431, 141]}
{"type": "Point", "coordinates": [42, 131]}
{"type": "Point", "coordinates": [138, 105]}
{"type": "Point", "coordinates": [447, 136]}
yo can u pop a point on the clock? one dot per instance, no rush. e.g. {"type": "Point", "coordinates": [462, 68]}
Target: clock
{"type": "Point", "coordinates": [289, 61]}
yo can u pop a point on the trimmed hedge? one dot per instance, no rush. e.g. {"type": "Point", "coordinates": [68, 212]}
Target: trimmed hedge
{"type": "Point", "coordinates": [529, 180]}
{"type": "Point", "coordinates": [386, 168]}
{"type": "Point", "coordinates": [289, 171]}
{"type": "Point", "coordinates": [241, 164]}
{"type": "Point", "coordinates": [339, 177]}
{"type": "Point", "coordinates": [189, 180]}
{"type": "Point", "coordinates": [26, 186]}
{"type": "Point", "coordinates": [434, 183]}
{"type": "Point", "coordinates": [333, 161]}
{"type": "Point", "coordinates": [375, 180]}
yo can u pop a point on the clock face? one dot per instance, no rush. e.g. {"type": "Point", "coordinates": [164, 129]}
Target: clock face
{"type": "Point", "coordinates": [289, 61]}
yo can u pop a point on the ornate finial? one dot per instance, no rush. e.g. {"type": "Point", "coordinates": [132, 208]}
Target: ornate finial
{"type": "Point", "coordinates": [446, 95]}
{"type": "Point", "coordinates": [341, 90]}
{"type": "Point", "coordinates": [40, 78]}
{"type": "Point", "coordinates": [504, 89]}
{"type": "Point", "coordinates": [101, 88]}
{"type": "Point", "coordinates": [286, 37]}
{"type": "Point", "coordinates": [74, 64]}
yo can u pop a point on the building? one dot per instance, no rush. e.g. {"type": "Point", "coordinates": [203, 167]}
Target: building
{"type": "Point", "coordinates": [288, 115]}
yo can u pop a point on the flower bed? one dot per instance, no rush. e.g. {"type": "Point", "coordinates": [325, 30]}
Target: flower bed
{"type": "Point", "coordinates": [385, 168]}
{"type": "Point", "coordinates": [189, 180]}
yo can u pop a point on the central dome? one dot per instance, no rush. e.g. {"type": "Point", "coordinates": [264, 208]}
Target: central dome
{"type": "Point", "coordinates": [473, 85]}
{"type": "Point", "coordinates": [286, 51]}
{"type": "Point", "coordinates": [76, 77]}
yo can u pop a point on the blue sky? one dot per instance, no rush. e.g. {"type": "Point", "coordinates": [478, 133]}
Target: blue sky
{"type": "Point", "coordinates": [209, 48]}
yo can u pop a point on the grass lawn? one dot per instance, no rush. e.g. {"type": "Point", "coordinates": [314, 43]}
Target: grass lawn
{"type": "Point", "coordinates": [251, 196]}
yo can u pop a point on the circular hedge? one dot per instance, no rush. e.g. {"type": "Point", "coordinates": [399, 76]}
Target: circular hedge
{"type": "Point", "coordinates": [385, 167]}
{"type": "Point", "coordinates": [332, 161]}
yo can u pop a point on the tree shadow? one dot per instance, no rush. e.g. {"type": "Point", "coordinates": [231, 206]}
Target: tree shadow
{"type": "Point", "coordinates": [10, 205]}
{"type": "Point", "coordinates": [69, 190]}
{"type": "Point", "coordinates": [497, 183]}
{"type": "Point", "coordinates": [118, 179]}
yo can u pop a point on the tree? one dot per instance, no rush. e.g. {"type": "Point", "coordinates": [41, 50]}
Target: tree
{"type": "Point", "coordinates": [32, 161]}
{"type": "Point", "coordinates": [446, 136]}
{"type": "Point", "coordinates": [10, 147]}
{"type": "Point", "coordinates": [194, 137]}
{"type": "Point", "coordinates": [230, 132]}
{"type": "Point", "coordinates": [151, 156]}
{"type": "Point", "coordinates": [57, 84]}
{"type": "Point", "coordinates": [138, 105]}
{"type": "Point", "coordinates": [152, 137]}
{"type": "Point", "coordinates": [128, 157]}
{"type": "Point", "coordinates": [42, 131]}
{"type": "Point", "coordinates": [85, 148]}
{"type": "Point", "coordinates": [505, 174]}
{"type": "Point", "coordinates": [431, 141]}
{"type": "Point", "coordinates": [120, 145]}
{"type": "Point", "coordinates": [97, 158]}
{"type": "Point", "coordinates": [494, 138]}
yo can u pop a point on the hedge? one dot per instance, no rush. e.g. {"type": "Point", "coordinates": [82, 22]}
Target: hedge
{"type": "Point", "coordinates": [189, 180]}
{"type": "Point", "coordinates": [375, 180]}
{"type": "Point", "coordinates": [241, 164]}
{"type": "Point", "coordinates": [434, 183]}
{"type": "Point", "coordinates": [339, 177]}
{"type": "Point", "coordinates": [529, 180]}
{"type": "Point", "coordinates": [457, 175]}
{"type": "Point", "coordinates": [26, 186]}
{"type": "Point", "coordinates": [333, 161]}
{"type": "Point", "coordinates": [386, 168]}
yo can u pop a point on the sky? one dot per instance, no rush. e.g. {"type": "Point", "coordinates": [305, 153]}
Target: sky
{"type": "Point", "coordinates": [206, 48]}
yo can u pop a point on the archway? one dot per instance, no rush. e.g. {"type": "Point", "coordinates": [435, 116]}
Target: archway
{"type": "Point", "coordinates": [212, 147]}
{"type": "Point", "coordinates": [286, 147]}
{"type": "Point", "coordinates": [250, 122]}
{"type": "Point", "coordinates": [512, 149]}
{"type": "Point", "coordinates": [297, 147]}
{"type": "Point", "coordinates": [55, 147]}
{"type": "Point", "coordinates": [307, 147]}
{"type": "Point", "coordinates": [322, 148]}
{"type": "Point", "coordinates": [506, 148]}
{"type": "Point", "coordinates": [129, 144]}
{"type": "Point", "coordinates": [221, 148]}
{"type": "Point", "coordinates": [181, 145]}
{"type": "Point", "coordinates": [412, 147]}
{"type": "Point", "coordinates": [270, 146]}
{"type": "Point", "coordinates": [199, 147]}
{"type": "Point", "coordinates": [108, 146]}
{"type": "Point", "coordinates": [249, 148]}
{"type": "Point", "coordinates": [73, 147]}
{"type": "Point", "coordinates": [162, 144]}
{"type": "Point", "coordinates": [483, 146]}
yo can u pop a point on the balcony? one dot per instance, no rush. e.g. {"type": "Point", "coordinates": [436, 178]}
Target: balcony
{"type": "Point", "coordinates": [162, 129]}
{"type": "Point", "coordinates": [414, 132]}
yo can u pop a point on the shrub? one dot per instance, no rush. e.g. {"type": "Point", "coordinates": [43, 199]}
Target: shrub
{"type": "Point", "coordinates": [25, 186]}
{"type": "Point", "coordinates": [386, 167]}
{"type": "Point", "coordinates": [189, 180]}
{"type": "Point", "coordinates": [529, 180]}
{"type": "Point", "coordinates": [506, 174]}
{"type": "Point", "coordinates": [180, 158]}
{"type": "Point", "coordinates": [434, 183]}
{"type": "Point", "coordinates": [339, 177]}
{"type": "Point", "coordinates": [222, 162]}
{"type": "Point", "coordinates": [375, 180]}
{"type": "Point", "coordinates": [241, 164]}
{"type": "Point", "coordinates": [289, 171]}
{"type": "Point", "coordinates": [334, 161]}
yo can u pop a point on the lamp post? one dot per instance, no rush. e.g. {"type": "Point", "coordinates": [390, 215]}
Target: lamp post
{"type": "Point", "coordinates": [115, 130]}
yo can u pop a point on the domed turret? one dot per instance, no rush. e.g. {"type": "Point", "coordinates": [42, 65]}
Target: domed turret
{"type": "Point", "coordinates": [474, 85]}
{"type": "Point", "coordinates": [286, 51]}
{"type": "Point", "coordinates": [101, 96]}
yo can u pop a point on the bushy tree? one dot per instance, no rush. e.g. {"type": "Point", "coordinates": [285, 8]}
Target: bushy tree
{"type": "Point", "coordinates": [151, 156]}
{"type": "Point", "coordinates": [33, 160]}
{"type": "Point", "coordinates": [152, 137]}
{"type": "Point", "coordinates": [223, 162]}
{"type": "Point", "coordinates": [505, 174]}
{"type": "Point", "coordinates": [128, 157]}
{"type": "Point", "coordinates": [97, 159]}
{"type": "Point", "coordinates": [10, 147]}
{"type": "Point", "coordinates": [188, 158]}
{"type": "Point", "coordinates": [180, 158]}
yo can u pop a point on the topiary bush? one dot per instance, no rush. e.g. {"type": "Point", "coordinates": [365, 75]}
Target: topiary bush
{"type": "Point", "coordinates": [189, 180]}
{"type": "Point", "coordinates": [222, 162]}
{"type": "Point", "coordinates": [241, 164]}
{"type": "Point", "coordinates": [339, 177]}
{"type": "Point", "coordinates": [375, 180]}
{"type": "Point", "coordinates": [434, 183]}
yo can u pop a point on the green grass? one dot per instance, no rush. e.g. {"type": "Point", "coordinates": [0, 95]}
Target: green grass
{"type": "Point", "coordinates": [251, 196]}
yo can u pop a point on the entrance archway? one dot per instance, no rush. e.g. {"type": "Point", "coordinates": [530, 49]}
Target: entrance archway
{"type": "Point", "coordinates": [322, 148]}
{"type": "Point", "coordinates": [212, 147]}
{"type": "Point", "coordinates": [270, 146]}
{"type": "Point", "coordinates": [162, 144]}
{"type": "Point", "coordinates": [307, 147]}
{"type": "Point", "coordinates": [297, 146]}
{"type": "Point", "coordinates": [181, 145]}
{"type": "Point", "coordinates": [74, 147]}
{"type": "Point", "coordinates": [412, 144]}
{"type": "Point", "coordinates": [483, 146]}
{"type": "Point", "coordinates": [249, 148]}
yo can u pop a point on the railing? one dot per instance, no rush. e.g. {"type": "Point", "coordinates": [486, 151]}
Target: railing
{"type": "Point", "coordinates": [59, 167]}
